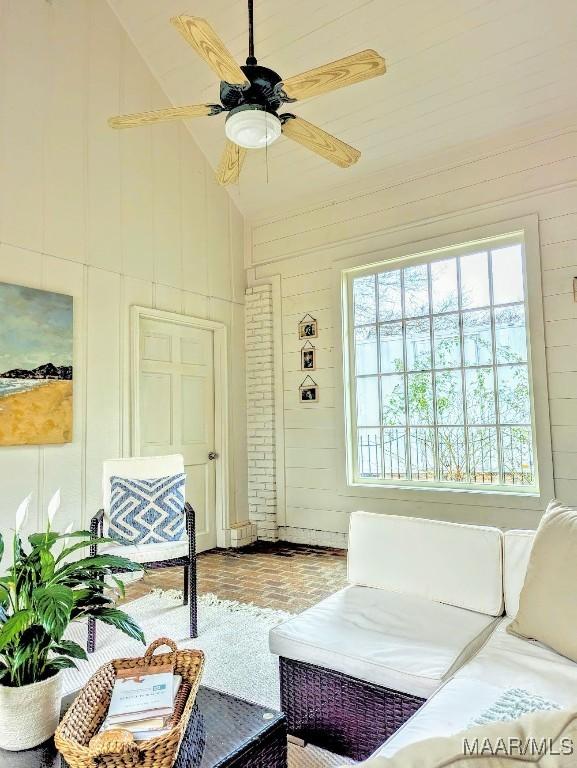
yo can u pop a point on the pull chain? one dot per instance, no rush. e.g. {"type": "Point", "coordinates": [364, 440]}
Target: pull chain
{"type": "Point", "coordinates": [266, 150]}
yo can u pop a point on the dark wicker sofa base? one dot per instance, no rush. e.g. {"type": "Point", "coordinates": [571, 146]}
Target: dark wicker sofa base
{"type": "Point", "coordinates": [338, 712]}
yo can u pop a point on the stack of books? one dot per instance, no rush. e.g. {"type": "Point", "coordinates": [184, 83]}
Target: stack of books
{"type": "Point", "coordinates": [147, 705]}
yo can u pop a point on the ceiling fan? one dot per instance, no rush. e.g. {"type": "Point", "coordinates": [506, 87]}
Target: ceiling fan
{"type": "Point", "coordinates": [252, 95]}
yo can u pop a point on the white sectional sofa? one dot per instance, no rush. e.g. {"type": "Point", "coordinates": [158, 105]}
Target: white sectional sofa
{"type": "Point", "coordinates": [504, 662]}
{"type": "Point", "coordinates": [416, 645]}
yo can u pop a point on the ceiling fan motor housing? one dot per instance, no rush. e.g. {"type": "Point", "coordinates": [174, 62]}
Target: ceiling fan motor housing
{"type": "Point", "coordinates": [264, 89]}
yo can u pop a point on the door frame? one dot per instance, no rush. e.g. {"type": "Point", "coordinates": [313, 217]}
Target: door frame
{"type": "Point", "coordinates": [221, 405]}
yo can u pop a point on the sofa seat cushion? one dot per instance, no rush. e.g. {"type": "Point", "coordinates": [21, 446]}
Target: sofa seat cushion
{"type": "Point", "coordinates": [403, 642]}
{"type": "Point", "coordinates": [148, 553]}
{"type": "Point", "coordinates": [512, 662]}
{"type": "Point", "coordinates": [504, 662]}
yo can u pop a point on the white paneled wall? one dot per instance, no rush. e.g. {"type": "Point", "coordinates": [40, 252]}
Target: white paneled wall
{"type": "Point", "coordinates": [533, 171]}
{"type": "Point", "coordinates": [113, 218]}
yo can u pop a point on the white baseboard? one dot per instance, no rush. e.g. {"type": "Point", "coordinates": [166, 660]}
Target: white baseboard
{"type": "Point", "coordinates": [314, 538]}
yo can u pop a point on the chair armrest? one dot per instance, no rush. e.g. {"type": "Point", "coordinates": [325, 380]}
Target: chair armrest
{"type": "Point", "coordinates": [96, 529]}
{"type": "Point", "coordinates": [190, 529]}
{"type": "Point", "coordinates": [96, 523]}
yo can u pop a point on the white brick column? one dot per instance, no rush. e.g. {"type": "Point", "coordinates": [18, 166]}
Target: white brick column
{"type": "Point", "coordinates": [262, 493]}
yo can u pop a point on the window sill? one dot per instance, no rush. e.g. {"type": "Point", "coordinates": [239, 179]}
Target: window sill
{"type": "Point", "coordinates": [467, 497]}
{"type": "Point", "coordinates": [498, 490]}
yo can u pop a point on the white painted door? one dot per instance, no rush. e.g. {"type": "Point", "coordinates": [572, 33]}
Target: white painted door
{"type": "Point", "coordinates": [176, 410]}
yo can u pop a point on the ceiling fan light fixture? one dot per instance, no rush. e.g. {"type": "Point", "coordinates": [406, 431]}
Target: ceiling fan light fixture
{"type": "Point", "coordinates": [252, 127]}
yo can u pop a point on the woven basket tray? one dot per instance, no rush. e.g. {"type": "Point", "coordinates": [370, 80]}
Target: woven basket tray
{"type": "Point", "coordinates": [85, 716]}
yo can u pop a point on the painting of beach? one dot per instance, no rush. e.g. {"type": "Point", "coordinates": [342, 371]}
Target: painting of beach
{"type": "Point", "coordinates": [36, 373]}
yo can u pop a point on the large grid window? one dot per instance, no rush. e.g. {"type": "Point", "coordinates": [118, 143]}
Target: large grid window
{"type": "Point", "coordinates": [440, 379]}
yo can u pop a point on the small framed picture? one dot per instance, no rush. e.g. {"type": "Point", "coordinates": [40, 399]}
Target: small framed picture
{"type": "Point", "coordinates": [308, 359]}
{"type": "Point", "coordinates": [309, 393]}
{"type": "Point", "coordinates": [308, 328]}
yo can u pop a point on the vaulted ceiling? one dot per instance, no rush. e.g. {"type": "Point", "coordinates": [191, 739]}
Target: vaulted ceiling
{"type": "Point", "coordinates": [458, 71]}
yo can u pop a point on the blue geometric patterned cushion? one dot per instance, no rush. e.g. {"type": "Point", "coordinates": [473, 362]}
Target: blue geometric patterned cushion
{"type": "Point", "coordinates": [147, 511]}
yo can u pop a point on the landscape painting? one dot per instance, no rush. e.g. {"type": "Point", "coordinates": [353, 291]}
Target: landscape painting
{"type": "Point", "coordinates": [36, 340]}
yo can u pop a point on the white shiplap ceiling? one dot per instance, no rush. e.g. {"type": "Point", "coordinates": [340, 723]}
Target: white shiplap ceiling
{"type": "Point", "coordinates": [458, 71]}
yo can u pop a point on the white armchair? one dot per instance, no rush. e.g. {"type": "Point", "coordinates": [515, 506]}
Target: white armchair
{"type": "Point", "coordinates": [166, 554]}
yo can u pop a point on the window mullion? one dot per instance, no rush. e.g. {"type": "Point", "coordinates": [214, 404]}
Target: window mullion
{"type": "Point", "coordinates": [436, 452]}
{"type": "Point", "coordinates": [463, 376]}
{"type": "Point", "coordinates": [500, 456]}
{"type": "Point", "coordinates": [379, 372]}
{"type": "Point", "coordinates": [353, 380]}
{"type": "Point", "coordinates": [408, 453]}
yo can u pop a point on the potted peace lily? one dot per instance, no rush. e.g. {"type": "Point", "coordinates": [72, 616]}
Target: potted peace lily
{"type": "Point", "coordinates": [51, 582]}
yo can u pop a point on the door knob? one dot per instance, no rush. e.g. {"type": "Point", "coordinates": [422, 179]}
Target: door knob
{"type": "Point", "coordinates": [213, 455]}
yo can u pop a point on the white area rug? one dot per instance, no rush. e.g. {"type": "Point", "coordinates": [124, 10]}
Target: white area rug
{"type": "Point", "coordinates": [234, 637]}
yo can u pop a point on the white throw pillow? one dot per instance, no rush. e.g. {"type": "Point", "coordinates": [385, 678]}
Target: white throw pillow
{"type": "Point", "coordinates": [548, 600]}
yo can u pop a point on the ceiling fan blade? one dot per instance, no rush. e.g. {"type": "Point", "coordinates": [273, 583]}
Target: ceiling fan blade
{"type": "Point", "coordinates": [338, 74]}
{"type": "Point", "coordinates": [162, 115]}
{"type": "Point", "coordinates": [201, 36]}
{"type": "Point", "coordinates": [314, 138]}
{"type": "Point", "coordinates": [230, 164]}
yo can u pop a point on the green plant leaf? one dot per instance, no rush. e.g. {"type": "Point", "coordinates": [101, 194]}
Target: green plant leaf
{"type": "Point", "coordinates": [81, 593]}
{"type": "Point", "coordinates": [84, 580]}
{"type": "Point", "coordinates": [4, 595]}
{"type": "Point", "coordinates": [29, 657]}
{"type": "Point", "coordinates": [120, 584]}
{"type": "Point", "coordinates": [75, 535]}
{"type": "Point", "coordinates": [122, 621]}
{"type": "Point", "coordinates": [21, 655]}
{"type": "Point", "coordinates": [99, 562]}
{"type": "Point", "coordinates": [53, 606]}
{"type": "Point", "coordinates": [46, 565]}
{"type": "Point", "coordinates": [70, 648]}
{"type": "Point", "coordinates": [94, 598]}
{"type": "Point", "coordinates": [17, 623]}
{"type": "Point", "coordinates": [58, 663]}
{"type": "Point", "coordinates": [1, 547]}
{"type": "Point", "coordinates": [86, 607]}
{"type": "Point", "coordinates": [43, 540]}
{"type": "Point", "coordinates": [80, 545]}
{"type": "Point", "coordinates": [37, 637]}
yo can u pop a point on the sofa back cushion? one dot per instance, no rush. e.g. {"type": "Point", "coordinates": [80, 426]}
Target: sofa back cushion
{"type": "Point", "coordinates": [516, 552]}
{"type": "Point", "coordinates": [446, 562]}
{"type": "Point", "coordinates": [547, 605]}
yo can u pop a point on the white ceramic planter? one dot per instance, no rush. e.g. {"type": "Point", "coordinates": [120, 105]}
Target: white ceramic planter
{"type": "Point", "coordinates": [29, 715]}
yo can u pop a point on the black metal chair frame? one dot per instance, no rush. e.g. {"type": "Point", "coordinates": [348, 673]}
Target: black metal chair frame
{"type": "Point", "coordinates": [188, 562]}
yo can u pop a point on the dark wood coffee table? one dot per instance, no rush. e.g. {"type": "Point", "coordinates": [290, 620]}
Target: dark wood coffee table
{"type": "Point", "coordinates": [223, 732]}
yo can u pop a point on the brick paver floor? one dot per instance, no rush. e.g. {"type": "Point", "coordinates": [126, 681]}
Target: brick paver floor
{"type": "Point", "coordinates": [290, 577]}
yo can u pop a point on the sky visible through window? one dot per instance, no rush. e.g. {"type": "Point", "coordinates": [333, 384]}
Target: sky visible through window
{"type": "Point", "coordinates": [441, 376]}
